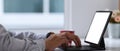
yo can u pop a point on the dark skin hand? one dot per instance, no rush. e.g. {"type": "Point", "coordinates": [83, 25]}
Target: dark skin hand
{"type": "Point", "coordinates": [72, 37]}
{"type": "Point", "coordinates": [56, 40]}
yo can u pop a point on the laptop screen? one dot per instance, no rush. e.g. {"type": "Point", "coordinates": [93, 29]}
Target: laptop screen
{"type": "Point", "coordinates": [98, 26]}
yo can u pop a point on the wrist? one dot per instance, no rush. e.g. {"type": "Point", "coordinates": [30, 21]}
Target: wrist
{"type": "Point", "coordinates": [47, 46]}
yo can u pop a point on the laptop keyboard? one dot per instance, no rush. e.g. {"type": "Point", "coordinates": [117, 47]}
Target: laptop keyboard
{"type": "Point", "coordinates": [83, 48]}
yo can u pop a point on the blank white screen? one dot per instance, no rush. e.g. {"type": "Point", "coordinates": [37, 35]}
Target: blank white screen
{"type": "Point", "coordinates": [97, 27]}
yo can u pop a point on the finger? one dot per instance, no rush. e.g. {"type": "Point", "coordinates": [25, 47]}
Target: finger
{"type": "Point", "coordinates": [64, 39]}
{"type": "Point", "coordinates": [63, 42]}
{"type": "Point", "coordinates": [78, 41]}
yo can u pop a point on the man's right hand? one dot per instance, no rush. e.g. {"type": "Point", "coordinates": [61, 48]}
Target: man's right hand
{"type": "Point", "coordinates": [54, 41]}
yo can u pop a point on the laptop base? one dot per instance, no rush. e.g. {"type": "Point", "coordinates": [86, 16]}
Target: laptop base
{"type": "Point", "coordinates": [83, 48]}
{"type": "Point", "coordinates": [100, 46]}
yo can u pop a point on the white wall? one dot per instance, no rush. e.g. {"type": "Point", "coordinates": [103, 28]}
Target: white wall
{"type": "Point", "coordinates": [83, 11]}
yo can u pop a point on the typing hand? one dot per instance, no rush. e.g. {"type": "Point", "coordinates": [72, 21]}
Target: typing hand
{"type": "Point", "coordinates": [54, 41]}
{"type": "Point", "coordinates": [71, 37]}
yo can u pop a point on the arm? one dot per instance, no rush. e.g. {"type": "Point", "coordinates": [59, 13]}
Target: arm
{"type": "Point", "coordinates": [9, 43]}
{"type": "Point", "coordinates": [28, 35]}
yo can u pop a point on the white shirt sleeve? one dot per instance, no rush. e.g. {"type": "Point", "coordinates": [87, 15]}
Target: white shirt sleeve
{"type": "Point", "coordinates": [10, 43]}
{"type": "Point", "coordinates": [30, 35]}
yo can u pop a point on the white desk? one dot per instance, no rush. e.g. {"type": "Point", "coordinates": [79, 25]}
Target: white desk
{"type": "Point", "coordinates": [111, 44]}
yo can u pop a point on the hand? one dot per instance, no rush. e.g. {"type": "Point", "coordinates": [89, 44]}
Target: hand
{"type": "Point", "coordinates": [72, 37]}
{"type": "Point", "coordinates": [54, 41]}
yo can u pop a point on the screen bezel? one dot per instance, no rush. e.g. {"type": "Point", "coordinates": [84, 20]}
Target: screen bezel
{"type": "Point", "coordinates": [103, 29]}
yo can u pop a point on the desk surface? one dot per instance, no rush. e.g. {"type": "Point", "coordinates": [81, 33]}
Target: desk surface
{"type": "Point", "coordinates": [111, 44]}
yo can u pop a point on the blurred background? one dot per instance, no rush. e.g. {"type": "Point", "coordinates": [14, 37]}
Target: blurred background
{"type": "Point", "coordinates": [51, 15]}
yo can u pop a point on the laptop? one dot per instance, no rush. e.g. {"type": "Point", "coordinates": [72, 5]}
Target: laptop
{"type": "Point", "coordinates": [95, 34]}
